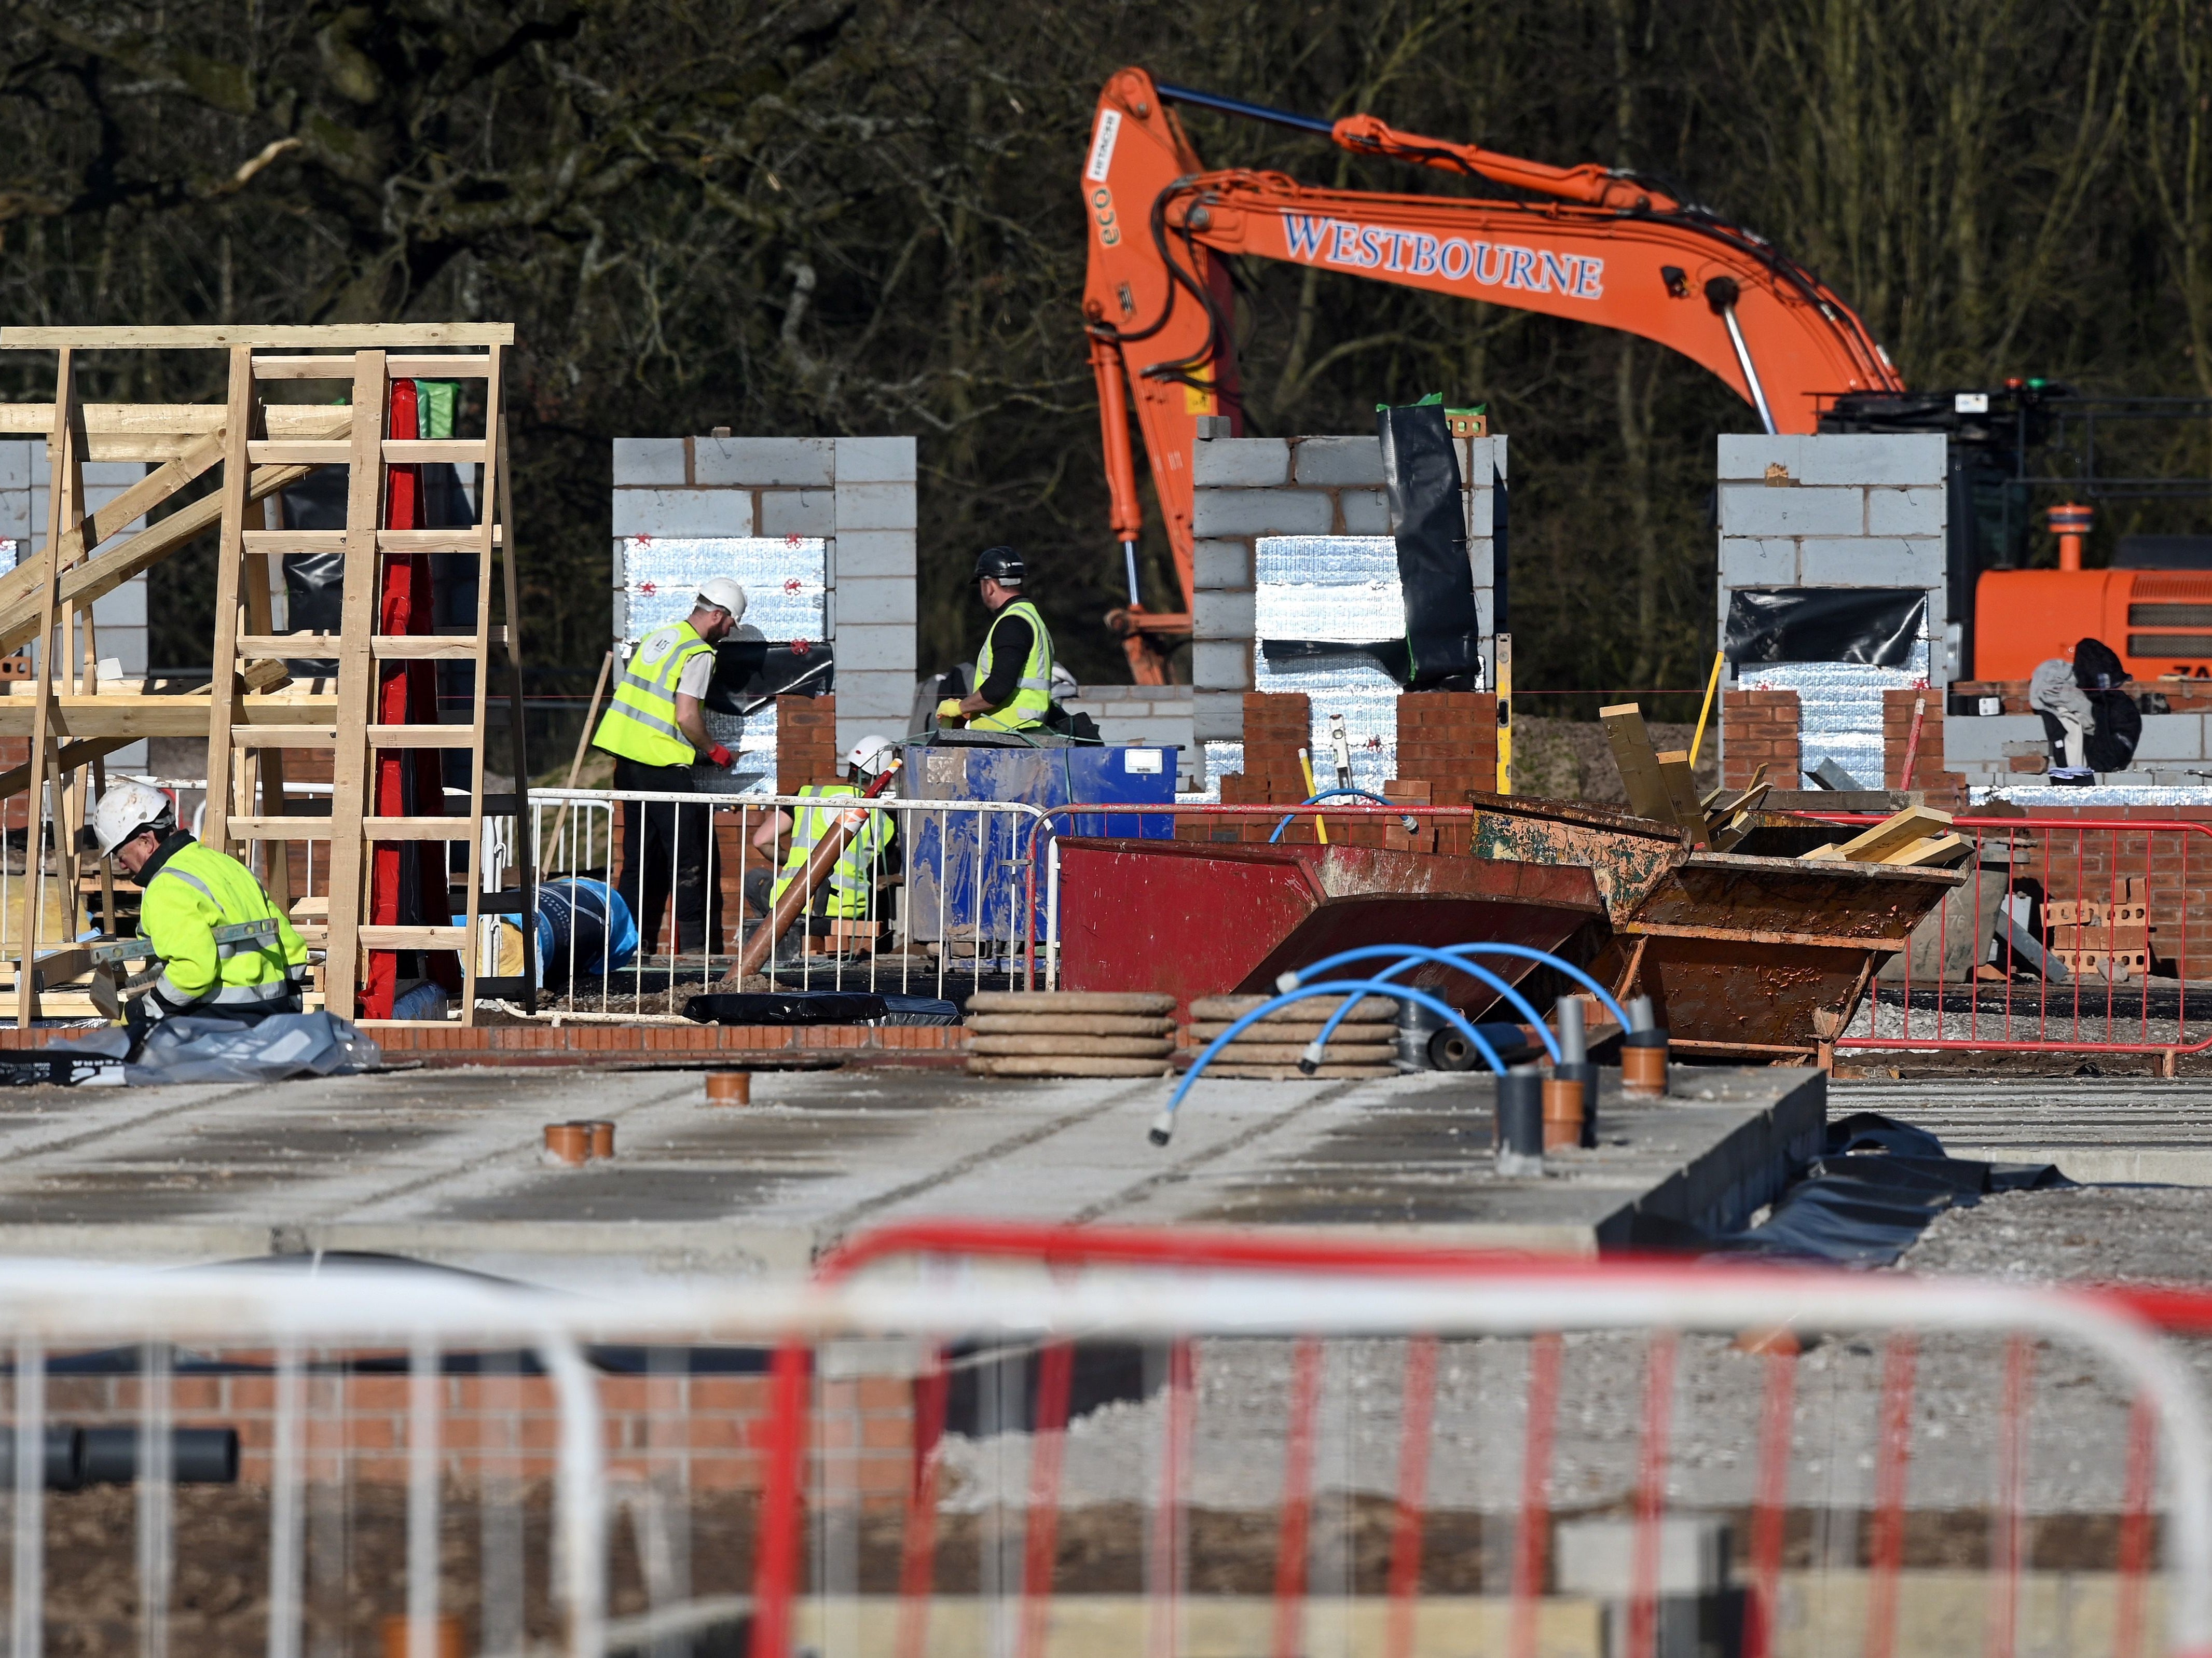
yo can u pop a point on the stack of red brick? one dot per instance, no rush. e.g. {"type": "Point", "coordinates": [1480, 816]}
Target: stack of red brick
{"type": "Point", "coordinates": [1759, 728]}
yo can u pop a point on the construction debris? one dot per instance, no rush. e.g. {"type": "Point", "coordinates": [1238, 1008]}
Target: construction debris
{"type": "Point", "coordinates": [1917, 837]}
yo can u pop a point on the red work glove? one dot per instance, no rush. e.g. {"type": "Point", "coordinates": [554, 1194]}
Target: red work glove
{"type": "Point", "coordinates": [720, 756]}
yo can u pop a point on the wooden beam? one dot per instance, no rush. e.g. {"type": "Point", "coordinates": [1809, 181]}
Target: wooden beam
{"type": "Point", "coordinates": [130, 718]}
{"type": "Point", "coordinates": [16, 778]}
{"type": "Point", "coordinates": [229, 570]}
{"type": "Point", "coordinates": [356, 685]}
{"type": "Point", "coordinates": [330, 337]}
{"type": "Point", "coordinates": [58, 446]}
{"type": "Point", "coordinates": [1648, 795]}
{"type": "Point", "coordinates": [451, 366]}
{"type": "Point", "coordinates": [21, 583]}
{"type": "Point", "coordinates": [1682, 795]}
{"type": "Point", "coordinates": [156, 431]}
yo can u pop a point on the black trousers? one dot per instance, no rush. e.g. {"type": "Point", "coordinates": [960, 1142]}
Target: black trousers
{"type": "Point", "coordinates": [668, 847]}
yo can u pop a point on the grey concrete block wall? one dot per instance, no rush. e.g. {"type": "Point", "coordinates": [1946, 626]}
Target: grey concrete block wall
{"type": "Point", "coordinates": [120, 618]}
{"type": "Point", "coordinates": [858, 493]}
{"type": "Point", "coordinates": [1246, 488]}
{"type": "Point", "coordinates": [1838, 512]}
{"type": "Point", "coordinates": [1156, 715]}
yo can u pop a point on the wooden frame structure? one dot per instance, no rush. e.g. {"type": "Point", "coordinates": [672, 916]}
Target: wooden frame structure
{"type": "Point", "coordinates": [257, 450]}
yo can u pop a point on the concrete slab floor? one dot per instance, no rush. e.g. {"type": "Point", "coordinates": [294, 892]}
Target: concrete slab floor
{"type": "Point", "coordinates": [446, 1166]}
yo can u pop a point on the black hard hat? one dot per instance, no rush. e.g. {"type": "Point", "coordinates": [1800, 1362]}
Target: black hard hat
{"type": "Point", "coordinates": [1001, 564]}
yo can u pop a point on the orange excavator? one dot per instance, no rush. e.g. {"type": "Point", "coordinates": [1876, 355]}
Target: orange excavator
{"type": "Point", "coordinates": [1596, 243]}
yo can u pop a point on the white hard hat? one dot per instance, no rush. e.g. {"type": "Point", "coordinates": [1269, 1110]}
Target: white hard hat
{"type": "Point", "coordinates": [721, 593]}
{"type": "Point", "coordinates": [127, 808]}
{"type": "Point", "coordinates": [871, 757]}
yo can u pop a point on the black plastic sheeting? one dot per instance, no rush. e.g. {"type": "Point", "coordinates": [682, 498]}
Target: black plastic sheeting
{"type": "Point", "coordinates": [1872, 1191]}
{"type": "Point", "coordinates": [819, 1007]}
{"type": "Point", "coordinates": [1874, 625]}
{"type": "Point", "coordinates": [1428, 517]}
{"type": "Point", "coordinates": [1394, 655]}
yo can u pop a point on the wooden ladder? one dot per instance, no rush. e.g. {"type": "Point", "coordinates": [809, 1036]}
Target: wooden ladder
{"type": "Point", "coordinates": [246, 558]}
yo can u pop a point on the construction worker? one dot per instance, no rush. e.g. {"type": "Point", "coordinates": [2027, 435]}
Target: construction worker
{"type": "Point", "coordinates": [1013, 670]}
{"type": "Point", "coordinates": [654, 730]}
{"type": "Point", "coordinates": [850, 891]}
{"type": "Point", "coordinates": [192, 892]}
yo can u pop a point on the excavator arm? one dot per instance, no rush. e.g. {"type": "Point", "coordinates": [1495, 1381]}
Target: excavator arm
{"type": "Point", "coordinates": [1602, 247]}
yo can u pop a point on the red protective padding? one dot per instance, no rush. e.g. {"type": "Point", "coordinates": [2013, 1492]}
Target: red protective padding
{"type": "Point", "coordinates": [408, 882]}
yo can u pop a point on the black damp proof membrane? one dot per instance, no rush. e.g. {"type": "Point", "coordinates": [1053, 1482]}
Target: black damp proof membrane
{"type": "Point", "coordinates": [1393, 655]}
{"type": "Point", "coordinates": [1428, 517]}
{"type": "Point", "coordinates": [819, 1007]}
{"type": "Point", "coordinates": [1875, 626]}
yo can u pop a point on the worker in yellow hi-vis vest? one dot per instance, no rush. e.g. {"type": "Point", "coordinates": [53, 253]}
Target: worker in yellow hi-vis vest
{"type": "Point", "coordinates": [850, 891]}
{"type": "Point", "coordinates": [1013, 670]}
{"type": "Point", "coordinates": [655, 730]}
{"type": "Point", "coordinates": [227, 951]}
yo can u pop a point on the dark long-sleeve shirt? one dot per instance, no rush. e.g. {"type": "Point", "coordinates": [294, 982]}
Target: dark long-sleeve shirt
{"type": "Point", "coordinates": [1011, 639]}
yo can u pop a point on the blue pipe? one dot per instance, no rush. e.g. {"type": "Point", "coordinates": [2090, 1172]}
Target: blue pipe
{"type": "Point", "coordinates": [1249, 111]}
{"type": "Point", "coordinates": [1327, 794]}
{"type": "Point", "coordinates": [1290, 980]}
{"type": "Point", "coordinates": [1409, 954]}
{"type": "Point", "coordinates": [1163, 1125]}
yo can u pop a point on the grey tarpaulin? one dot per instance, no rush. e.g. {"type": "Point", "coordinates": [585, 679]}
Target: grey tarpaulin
{"type": "Point", "coordinates": [1428, 517]}
{"type": "Point", "coordinates": [192, 1050]}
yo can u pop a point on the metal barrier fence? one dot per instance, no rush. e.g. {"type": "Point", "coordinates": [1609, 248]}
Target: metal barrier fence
{"type": "Point", "coordinates": [1052, 1443]}
{"type": "Point", "coordinates": [936, 892]}
{"type": "Point", "coordinates": [2070, 935]}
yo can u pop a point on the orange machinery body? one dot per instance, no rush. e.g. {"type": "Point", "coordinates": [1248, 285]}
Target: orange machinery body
{"type": "Point", "coordinates": [2159, 621]}
{"type": "Point", "coordinates": [1605, 248]}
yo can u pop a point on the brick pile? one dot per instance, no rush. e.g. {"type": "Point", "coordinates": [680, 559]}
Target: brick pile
{"type": "Point", "coordinates": [1760, 728]}
{"type": "Point", "coordinates": [1946, 789]}
{"type": "Point", "coordinates": [1449, 740]}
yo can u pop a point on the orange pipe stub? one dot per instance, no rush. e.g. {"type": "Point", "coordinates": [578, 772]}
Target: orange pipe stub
{"type": "Point", "coordinates": [1643, 1063]}
{"type": "Point", "coordinates": [729, 1088]}
{"type": "Point", "coordinates": [602, 1137]}
{"type": "Point", "coordinates": [1563, 1112]}
{"type": "Point", "coordinates": [448, 1641]}
{"type": "Point", "coordinates": [569, 1142]}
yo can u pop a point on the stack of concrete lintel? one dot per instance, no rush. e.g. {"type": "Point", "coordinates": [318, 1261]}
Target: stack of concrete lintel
{"type": "Point", "coordinates": [1364, 1045]}
{"type": "Point", "coordinates": [1064, 1033]}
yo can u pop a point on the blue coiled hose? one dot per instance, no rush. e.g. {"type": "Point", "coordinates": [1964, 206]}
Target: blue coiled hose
{"type": "Point", "coordinates": [1163, 1125]}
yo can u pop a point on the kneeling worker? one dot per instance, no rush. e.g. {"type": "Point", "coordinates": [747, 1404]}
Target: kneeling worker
{"type": "Point", "coordinates": [194, 894]}
{"type": "Point", "coordinates": [1013, 670]}
{"type": "Point", "coordinates": [849, 892]}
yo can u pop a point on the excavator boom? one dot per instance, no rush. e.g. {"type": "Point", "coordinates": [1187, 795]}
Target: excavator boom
{"type": "Point", "coordinates": [1604, 247]}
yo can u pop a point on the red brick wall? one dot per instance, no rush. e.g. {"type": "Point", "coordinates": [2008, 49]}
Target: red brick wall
{"type": "Point", "coordinates": [1758, 728]}
{"type": "Point", "coordinates": [1947, 789]}
{"type": "Point", "coordinates": [1449, 740]}
{"type": "Point", "coordinates": [806, 742]}
{"type": "Point", "coordinates": [713, 1426]}
{"type": "Point", "coordinates": [1277, 725]}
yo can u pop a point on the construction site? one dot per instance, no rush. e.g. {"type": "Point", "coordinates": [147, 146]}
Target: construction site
{"type": "Point", "coordinates": [1303, 1151]}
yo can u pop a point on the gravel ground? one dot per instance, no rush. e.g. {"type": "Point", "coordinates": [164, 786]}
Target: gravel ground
{"type": "Point", "coordinates": [2077, 1412]}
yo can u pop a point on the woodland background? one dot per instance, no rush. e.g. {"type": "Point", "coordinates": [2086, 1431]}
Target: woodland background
{"type": "Point", "coordinates": [818, 217]}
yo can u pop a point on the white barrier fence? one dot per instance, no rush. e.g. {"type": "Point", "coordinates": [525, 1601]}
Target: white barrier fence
{"type": "Point", "coordinates": [380, 1409]}
{"type": "Point", "coordinates": [930, 890]}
